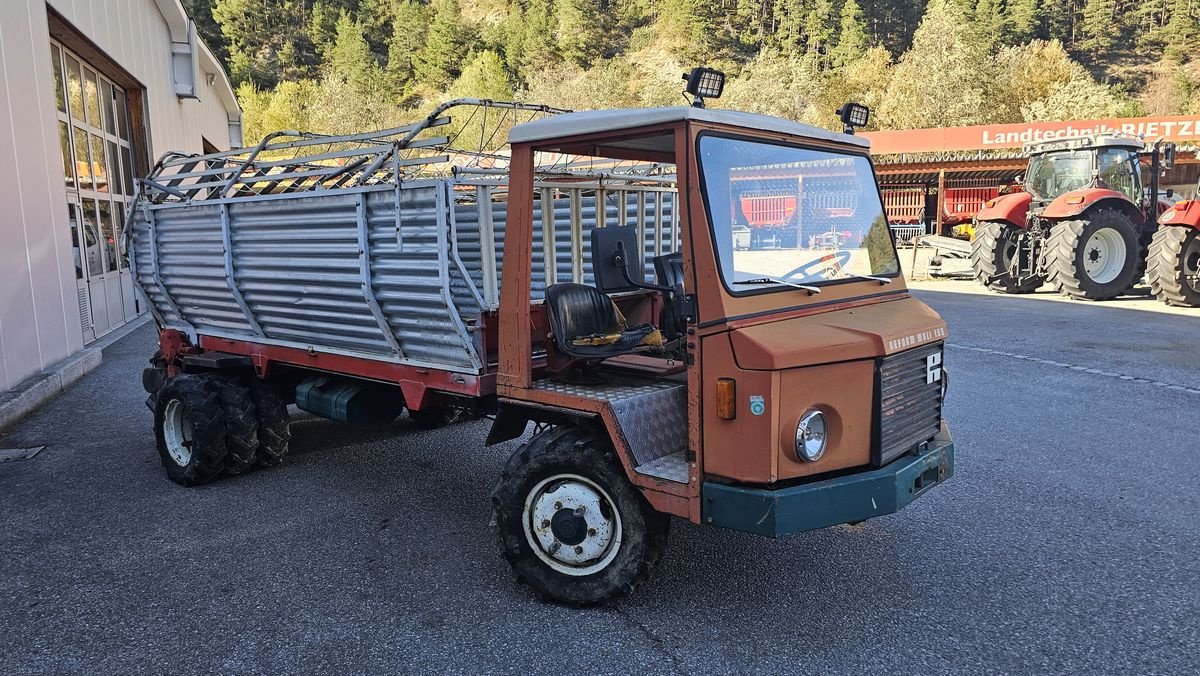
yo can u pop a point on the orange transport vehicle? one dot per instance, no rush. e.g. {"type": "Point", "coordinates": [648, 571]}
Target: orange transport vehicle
{"type": "Point", "coordinates": [665, 371]}
{"type": "Point", "coordinates": [1173, 264]}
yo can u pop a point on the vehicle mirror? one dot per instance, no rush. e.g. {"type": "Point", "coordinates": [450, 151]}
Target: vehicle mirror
{"type": "Point", "coordinates": [1170, 193]}
{"type": "Point", "coordinates": [616, 259]}
{"type": "Point", "coordinates": [1168, 156]}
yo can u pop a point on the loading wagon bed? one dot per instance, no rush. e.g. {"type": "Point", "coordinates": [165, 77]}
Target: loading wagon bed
{"type": "Point", "coordinates": [381, 251]}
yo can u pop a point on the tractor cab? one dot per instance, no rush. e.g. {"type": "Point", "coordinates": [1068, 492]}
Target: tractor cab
{"type": "Point", "coordinates": [766, 384]}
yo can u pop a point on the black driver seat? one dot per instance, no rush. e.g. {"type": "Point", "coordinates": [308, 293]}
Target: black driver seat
{"type": "Point", "coordinates": [587, 324]}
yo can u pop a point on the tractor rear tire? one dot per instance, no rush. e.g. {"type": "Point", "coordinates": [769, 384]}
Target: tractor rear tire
{"type": "Point", "coordinates": [241, 424]}
{"type": "Point", "coordinates": [565, 552]}
{"type": "Point", "coordinates": [992, 251]}
{"type": "Point", "coordinates": [189, 427]}
{"type": "Point", "coordinates": [274, 423]}
{"type": "Point", "coordinates": [1095, 258]}
{"type": "Point", "coordinates": [1174, 265]}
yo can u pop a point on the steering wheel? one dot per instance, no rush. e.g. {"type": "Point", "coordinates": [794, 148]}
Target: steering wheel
{"type": "Point", "coordinates": [809, 269]}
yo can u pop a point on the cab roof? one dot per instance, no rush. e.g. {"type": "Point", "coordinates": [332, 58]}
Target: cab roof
{"type": "Point", "coordinates": [1109, 140]}
{"type": "Point", "coordinates": [595, 121]}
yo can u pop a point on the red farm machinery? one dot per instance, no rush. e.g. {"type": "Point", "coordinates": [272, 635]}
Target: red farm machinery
{"type": "Point", "coordinates": [1083, 222]}
{"type": "Point", "coordinates": [1173, 264]}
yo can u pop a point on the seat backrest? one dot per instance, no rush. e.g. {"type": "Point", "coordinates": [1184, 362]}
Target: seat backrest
{"type": "Point", "coordinates": [577, 310]}
{"type": "Point", "coordinates": [668, 269]}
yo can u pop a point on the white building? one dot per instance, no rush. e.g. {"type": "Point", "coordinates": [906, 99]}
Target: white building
{"type": "Point", "coordinates": [92, 92]}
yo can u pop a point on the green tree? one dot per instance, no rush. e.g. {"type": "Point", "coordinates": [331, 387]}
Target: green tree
{"type": "Point", "coordinates": [991, 23]}
{"type": "Point", "coordinates": [406, 41]}
{"type": "Point", "coordinates": [586, 30]}
{"type": "Point", "coordinates": [852, 36]}
{"type": "Point", "coordinates": [529, 37]}
{"type": "Point", "coordinates": [1182, 34]}
{"type": "Point", "coordinates": [820, 30]}
{"type": "Point", "coordinates": [440, 59]}
{"type": "Point", "coordinates": [1026, 19]}
{"type": "Point", "coordinates": [349, 58]}
{"type": "Point", "coordinates": [267, 39]}
{"type": "Point", "coordinates": [943, 80]}
{"type": "Point", "coordinates": [1099, 30]}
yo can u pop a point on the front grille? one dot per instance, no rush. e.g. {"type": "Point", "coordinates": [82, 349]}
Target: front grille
{"type": "Point", "coordinates": [910, 401]}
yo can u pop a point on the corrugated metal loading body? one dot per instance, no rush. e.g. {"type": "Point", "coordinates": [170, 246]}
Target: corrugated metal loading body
{"type": "Point", "coordinates": [296, 267]}
{"type": "Point", "coordinates": [910, 408]}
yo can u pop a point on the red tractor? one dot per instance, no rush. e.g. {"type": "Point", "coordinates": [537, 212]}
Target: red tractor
{"type": "Point", "coordinates": [1082, 223]}
{"type": "Point", "coordinates": [1173, 265]}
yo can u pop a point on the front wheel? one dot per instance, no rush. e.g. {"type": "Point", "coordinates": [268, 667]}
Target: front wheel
{"type": "Point", "coordinates": [1174, 265]}
{"type": "Point", "coordinates": [570, 523]}
{"type": "Point", "coordinates": [1095, 258]}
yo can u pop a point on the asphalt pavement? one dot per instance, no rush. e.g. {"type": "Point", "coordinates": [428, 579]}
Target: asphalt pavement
{"type": "Point", "coordinates": [1067, 542]}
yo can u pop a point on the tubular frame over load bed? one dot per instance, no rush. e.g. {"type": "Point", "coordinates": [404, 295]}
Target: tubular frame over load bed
{"type": "Point", "coordinates": [383, 246]}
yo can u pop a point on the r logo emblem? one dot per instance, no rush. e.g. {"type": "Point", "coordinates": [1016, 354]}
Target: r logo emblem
{"type": "Point", "coordinates": [933, 368]}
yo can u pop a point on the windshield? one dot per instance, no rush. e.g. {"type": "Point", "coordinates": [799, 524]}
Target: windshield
{"type": "Point", "coordinates": [1054, 174]}
{"type": "Point", "coordinates": [786, 215]}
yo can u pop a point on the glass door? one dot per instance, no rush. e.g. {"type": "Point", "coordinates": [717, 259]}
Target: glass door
{"type": "Point", "coordinates": [94, 133]}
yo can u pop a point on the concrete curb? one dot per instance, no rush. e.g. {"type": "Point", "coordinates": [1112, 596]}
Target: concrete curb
{"type": "Point", "coordinates": [36, 390]}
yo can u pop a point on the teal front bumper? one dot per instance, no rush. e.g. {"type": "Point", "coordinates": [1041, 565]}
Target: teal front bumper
{"type": "Point", "coordinates": [844, 499]}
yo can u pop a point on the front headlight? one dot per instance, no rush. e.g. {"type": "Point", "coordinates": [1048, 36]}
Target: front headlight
{"type": "Point", "coordinates": [811, 436]}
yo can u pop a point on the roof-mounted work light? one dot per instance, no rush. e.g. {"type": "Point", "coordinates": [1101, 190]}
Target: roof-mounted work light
{"type": "Point", "coordinates": [704, 83]}
{"type": "Point", "coordinates": [853, 115]}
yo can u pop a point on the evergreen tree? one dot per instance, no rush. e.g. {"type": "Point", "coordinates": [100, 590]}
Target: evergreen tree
{"type": "Point", "coordinates": [349, 58]}
{"type": "Point", "coordinates": [852, 36]}
{"type": "Point", "coordinates": [1183, 30]}
{"type": "Point", "coordinates": [405, 43]}
{"type": "Point", "coordinates": [991, 23]}
{"type": "Point", "coordinates": [440, 59]}
{"type": "Point", "coordinates": [1026, 19]}
{"type": "Point", "coordinates": [1099, 31]}
{"type": "Point", "coordinates": [586, 30]}
{"type": "Point", "coordinates": [819, 32]}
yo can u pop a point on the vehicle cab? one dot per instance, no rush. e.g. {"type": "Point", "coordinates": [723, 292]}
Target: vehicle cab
{"type": "Point", "coordinates": [795, 383]}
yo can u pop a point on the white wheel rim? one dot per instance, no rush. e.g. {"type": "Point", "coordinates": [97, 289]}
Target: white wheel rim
{"type": "Point", "coordinates": [1104, 255]}
{"type": "Point", "coordinates": [177, 432]}
{"type": "Point", "coordinates": [552, 518]}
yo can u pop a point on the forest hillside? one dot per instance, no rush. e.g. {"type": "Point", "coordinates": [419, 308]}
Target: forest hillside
{"type": "Point", "coordinates": [347, 65]}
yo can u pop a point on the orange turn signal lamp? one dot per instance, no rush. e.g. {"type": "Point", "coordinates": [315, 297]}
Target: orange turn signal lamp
{"type": "Point", "coordinates": [726, 399]}
{"type": "Point", "coordinates": [1078, 199]}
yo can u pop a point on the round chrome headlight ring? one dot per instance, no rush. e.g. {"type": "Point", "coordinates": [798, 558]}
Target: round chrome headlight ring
{"type": "Point", "coordinates": [811, 436]}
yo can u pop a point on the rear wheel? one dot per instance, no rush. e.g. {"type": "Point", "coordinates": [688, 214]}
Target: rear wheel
{"type": "Point", "coordinates": [189, 426]}
{"type": "Point", "coordinates": [992, 253]}
{"type": "Point", "coordinates": [570, 523]}
{"type": "Point", "coordinates": [241, 424]}
{"type": "Point", "coordinates": [1096, 258]}
{"type": "Point", "coordinates": [1174, 265]}
{"type": "Point", "coordinates": [274, 423]}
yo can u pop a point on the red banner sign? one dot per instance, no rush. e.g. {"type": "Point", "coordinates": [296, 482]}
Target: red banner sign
{"type": "Point", "coordinates": [1185, 128]}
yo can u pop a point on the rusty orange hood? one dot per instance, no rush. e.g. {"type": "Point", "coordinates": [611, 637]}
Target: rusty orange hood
{"type": "Point", "coordinates": [862, 332]}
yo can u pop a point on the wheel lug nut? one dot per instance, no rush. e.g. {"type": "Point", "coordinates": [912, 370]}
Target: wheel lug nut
{"type": "Point", "coordinates": [545, 523]}
{"type": "Point", "coordinates": [555, 547]}
{"type": "Point", "coordinates": [580, 510]}
{"type": "Point", "coordinates": [578, 550]}
{"type": "Point", "coordinates": [558, 505]}
{"type": "Point", "coordinates": [592, 531]}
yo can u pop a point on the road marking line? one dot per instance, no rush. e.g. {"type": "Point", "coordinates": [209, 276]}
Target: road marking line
{"type": "Point", "coordinates": [1074, 367]}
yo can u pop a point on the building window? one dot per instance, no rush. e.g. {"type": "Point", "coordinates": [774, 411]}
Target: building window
{"type": "Point", "coordinates": [94, 132]}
